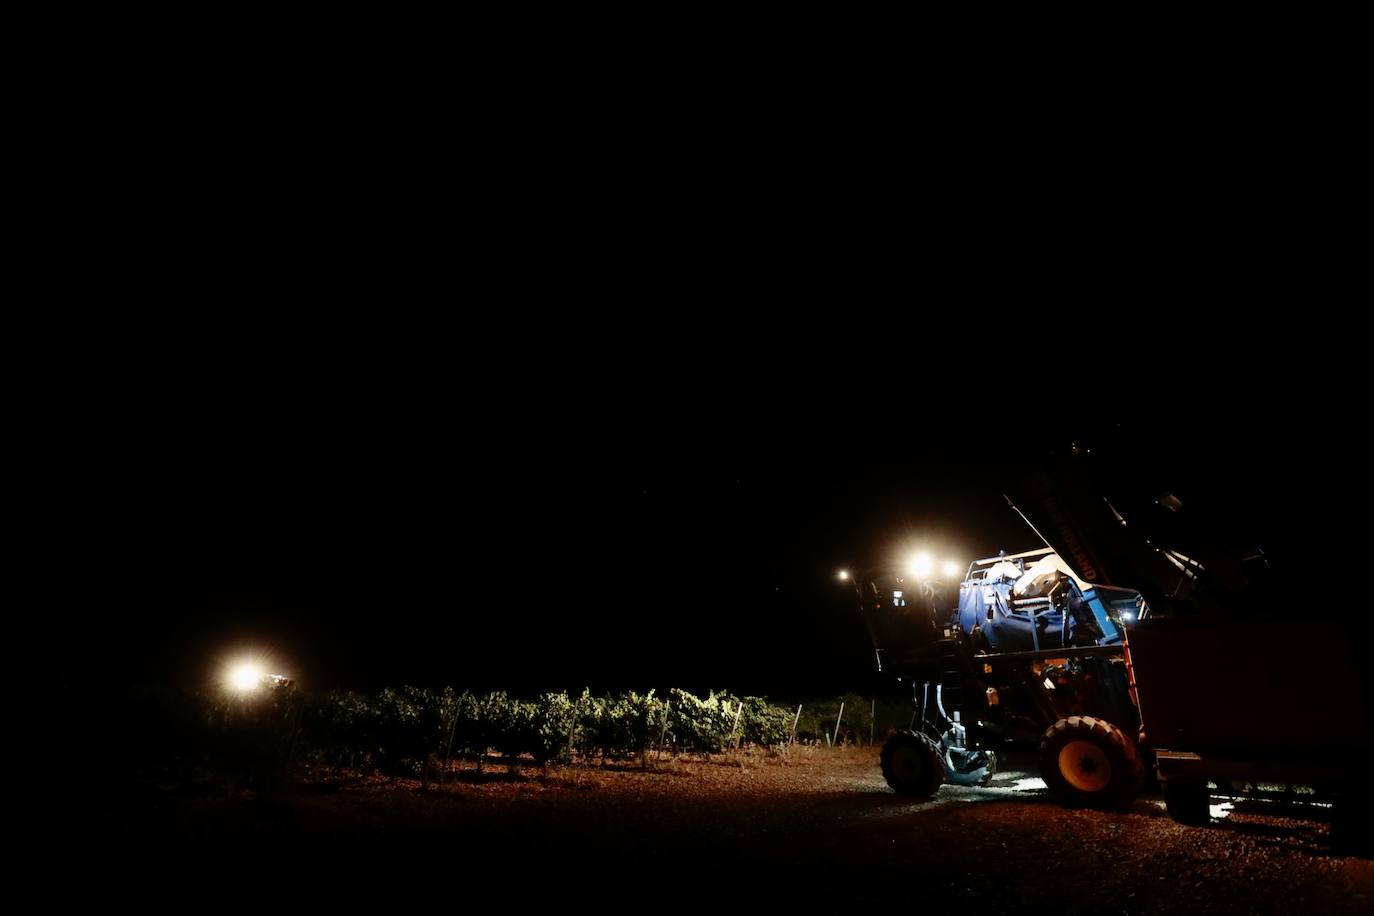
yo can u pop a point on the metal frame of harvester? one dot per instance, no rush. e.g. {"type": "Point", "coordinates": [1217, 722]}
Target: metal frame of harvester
{"type": "Point", "coordinates": [972, 700]}
{"type": "Point", "coordinates": [1229, 680]}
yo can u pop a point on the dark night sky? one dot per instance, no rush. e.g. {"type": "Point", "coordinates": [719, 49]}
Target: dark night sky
{"type": "Point", "coordinates": [525, 529]}
{"type": "Point", "coordinates": [532, 548]}
{"type": "Point", "coordinates": [516, 376]}
{"type": "Point", "coordinates": [462, 392]}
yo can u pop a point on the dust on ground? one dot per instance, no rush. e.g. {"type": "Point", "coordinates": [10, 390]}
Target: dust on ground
{"type": "Point", "coordinates": [808, 825]}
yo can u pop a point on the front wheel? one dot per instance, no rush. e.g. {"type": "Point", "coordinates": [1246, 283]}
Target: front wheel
{"type": "Point", "coordinates": [912, 764]}
{"type": "Point", "coordinates": [1088, 762]}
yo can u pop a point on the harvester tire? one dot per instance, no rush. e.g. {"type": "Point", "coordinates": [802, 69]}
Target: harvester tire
{"type": "Point", "coordinates": [1187, 801]}
{"type": "Point", "coordinates": [913, 764]}
{"type": "Point", "coordinates": [1090, 763]}
{"type": "Point", "coordinates": [1352, 822]}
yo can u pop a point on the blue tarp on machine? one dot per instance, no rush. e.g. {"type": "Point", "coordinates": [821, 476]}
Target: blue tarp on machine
{"type": "Point", "coordinates": [988, 605]}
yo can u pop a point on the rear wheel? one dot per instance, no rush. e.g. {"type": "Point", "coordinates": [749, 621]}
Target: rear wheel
{"type": "Point", "coordinates": [912, 764]}
{"type": "Point", "coordinates": [1187, 801]}
{"type": "Point", "coordinates": [1089, 762]}
{"type": "Point", "coordinates": [1352, 822]}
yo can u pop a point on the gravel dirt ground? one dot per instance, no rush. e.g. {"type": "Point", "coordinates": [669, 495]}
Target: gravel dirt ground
{"type": "Point", "coordinates": [815, 825]}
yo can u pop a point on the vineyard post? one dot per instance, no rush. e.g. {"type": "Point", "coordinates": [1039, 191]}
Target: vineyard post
{"type": "Point", "coordinates": [838, 719]}
{"type": "Point", "coordinates": [792, 739]}
{"type": "Point", "coordinates": [448, 748]}
{"type": "Point", "coordinates": [291, 744]}
{"type": "Point", "coordinates": [483, 720]}
{"type": "Point", "coordinates": [872, 718]}
{"type": "Point", "coordinates": [573, 721]}
{"type": "Point", "coordinates": [601, 721]}
{"type": "Point", "coordinates": [329, 716]}
{"type": "Point", "coordinates": [734, 728]}
{"type": "Point", "coordinates": [663, 734]}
